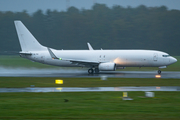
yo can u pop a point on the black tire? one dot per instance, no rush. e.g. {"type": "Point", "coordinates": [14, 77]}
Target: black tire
{"type": "Point", "coordinates": [96, 70]}
{"type": "Point", "coordinates": [91, 71]}
{"type": "Point", "coordinates": [159, 71]}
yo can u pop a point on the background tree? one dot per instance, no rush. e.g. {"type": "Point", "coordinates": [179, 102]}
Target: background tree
{"type": "Point", "coordinates": [108, 28]}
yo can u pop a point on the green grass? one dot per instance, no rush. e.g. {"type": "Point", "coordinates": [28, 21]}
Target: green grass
{"type": "Point", "coordinates": [90, 105]}
{"type": "Point", "coordinates": [19, 82]}
{"type": "Point", "coordinates": [16, 61]}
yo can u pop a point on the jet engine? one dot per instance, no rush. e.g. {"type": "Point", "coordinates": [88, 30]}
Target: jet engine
{"type": "Point", "coordinates": [107, 66]}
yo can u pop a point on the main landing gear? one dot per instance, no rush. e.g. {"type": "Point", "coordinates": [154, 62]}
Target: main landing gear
{"type": "Point", "coordinates": [159, 72]}
{"type": "Point", "coordinates": [91, 70]}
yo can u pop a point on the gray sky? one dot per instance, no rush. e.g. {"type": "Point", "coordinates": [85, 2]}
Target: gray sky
{"type": "Point", "coordinates": [61, 5]}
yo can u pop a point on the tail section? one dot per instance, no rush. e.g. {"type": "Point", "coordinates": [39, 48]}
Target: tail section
{"type": "Point", "coordinates": [27, 41]}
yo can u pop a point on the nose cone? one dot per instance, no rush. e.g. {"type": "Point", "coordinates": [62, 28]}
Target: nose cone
{"type": "Point", "coordinates": [173, 60]}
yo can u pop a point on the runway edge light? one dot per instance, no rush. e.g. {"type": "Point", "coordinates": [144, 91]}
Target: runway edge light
{"type": "Point", "coordinates": [59, 81]}
{"type": "Point", "coordinates": [157, 76]}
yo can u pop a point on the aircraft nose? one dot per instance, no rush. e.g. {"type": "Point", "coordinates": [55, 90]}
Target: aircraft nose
{"type": "Point", "coordinates": [173, 60]}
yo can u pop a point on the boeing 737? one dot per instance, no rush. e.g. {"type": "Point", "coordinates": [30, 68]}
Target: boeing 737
{"type": "Point", "coordinates": [95, 60]}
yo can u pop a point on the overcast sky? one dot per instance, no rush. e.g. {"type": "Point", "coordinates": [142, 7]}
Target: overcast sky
{"type": "Point", "coordinates": [61, 5]}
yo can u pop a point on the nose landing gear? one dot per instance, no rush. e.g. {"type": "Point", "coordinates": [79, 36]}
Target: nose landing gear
{"type": "Point", "coordinates": [159, 72]}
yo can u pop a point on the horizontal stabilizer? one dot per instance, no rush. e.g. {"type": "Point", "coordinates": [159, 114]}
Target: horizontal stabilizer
{"type": "Point", "coordinates": [25, 53]}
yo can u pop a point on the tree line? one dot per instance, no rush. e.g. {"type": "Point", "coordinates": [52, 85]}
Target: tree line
{"type": "Point", "coordinates": [155, 28]}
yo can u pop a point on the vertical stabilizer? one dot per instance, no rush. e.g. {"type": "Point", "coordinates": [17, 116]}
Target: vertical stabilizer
{"type": "Point", "coordinates": [27, 41]}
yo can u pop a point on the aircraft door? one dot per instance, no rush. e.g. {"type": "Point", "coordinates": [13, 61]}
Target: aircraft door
{"type": "Point", "coordinates": [155, 57]}
{"type": "Point", "coordinates": [102, 58]}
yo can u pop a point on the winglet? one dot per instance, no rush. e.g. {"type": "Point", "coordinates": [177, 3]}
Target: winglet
{"type": "Point", "coordinates": [89, 46]}
{"type": "Point", "coordinates": [52, 54]}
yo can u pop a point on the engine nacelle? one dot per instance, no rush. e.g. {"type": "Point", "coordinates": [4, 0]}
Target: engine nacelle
{"type": "Point", "coordinates": [107, 66]}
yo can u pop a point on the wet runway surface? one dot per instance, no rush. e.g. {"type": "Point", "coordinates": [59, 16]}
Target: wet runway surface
{"type": "Point", "coordinates": [21, 72]}
{"type": "Point", "coordinates": [90, 89]}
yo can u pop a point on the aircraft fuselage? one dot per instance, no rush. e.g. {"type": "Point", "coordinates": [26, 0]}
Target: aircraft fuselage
{"type": "Point", "coordinates": [122, 58]}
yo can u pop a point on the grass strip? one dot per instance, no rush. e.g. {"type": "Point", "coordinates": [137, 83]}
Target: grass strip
{"type": "Point", "coordinates": [89, 105]}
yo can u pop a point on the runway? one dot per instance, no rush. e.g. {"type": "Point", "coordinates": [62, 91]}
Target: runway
{"type": "Point", "coordinates": [89, 89]}
{"type": "Point", "coordinates": [75, 73]}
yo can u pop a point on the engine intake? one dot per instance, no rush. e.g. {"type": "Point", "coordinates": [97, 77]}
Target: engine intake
{"type": "Point", "coordinates": [107, 66]}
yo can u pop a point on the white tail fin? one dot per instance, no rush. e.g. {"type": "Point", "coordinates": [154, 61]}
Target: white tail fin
{"type": "Point", "coordinates": [27, 41]}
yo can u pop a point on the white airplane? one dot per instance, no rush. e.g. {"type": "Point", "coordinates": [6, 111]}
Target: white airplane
{"type": "Point", "coordinates": [96, 60]}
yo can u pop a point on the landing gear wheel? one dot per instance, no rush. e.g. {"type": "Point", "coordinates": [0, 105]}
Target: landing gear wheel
{"type": "Point", "coordinates": [91, 71]}
{"type": "Point", "coordinates": [96, 70]}
{"type": "Point", "coordinates": [159, 71]}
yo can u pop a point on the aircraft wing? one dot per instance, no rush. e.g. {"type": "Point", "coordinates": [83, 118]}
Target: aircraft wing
{"type": "Point", "coordinates": [83, 62]}
{"type": "Point", "coordinates": [77, 62]}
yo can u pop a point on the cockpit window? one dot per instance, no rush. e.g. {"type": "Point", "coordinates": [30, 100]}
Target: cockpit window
{"type": "Point", "coordinates": [165, 55]}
